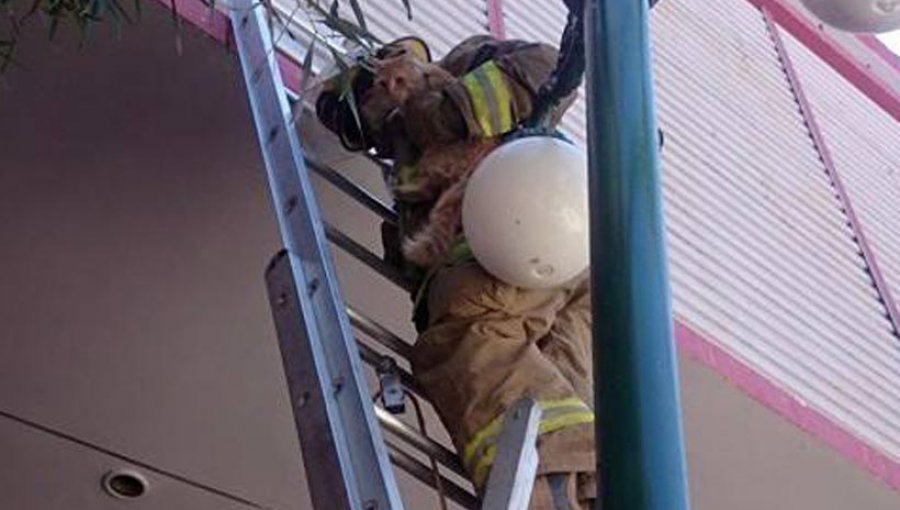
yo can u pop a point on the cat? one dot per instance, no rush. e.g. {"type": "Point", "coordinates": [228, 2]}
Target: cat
{"type": "Point", "coordinates": [403, 75]}
{"type": "Point", "coordinates": [444, 169]}
{"type": "Point", "coordinates": [449, 166]}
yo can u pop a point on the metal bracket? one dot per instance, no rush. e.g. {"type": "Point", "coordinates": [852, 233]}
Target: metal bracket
{"type": "Point", "coordinates": [393, 396]}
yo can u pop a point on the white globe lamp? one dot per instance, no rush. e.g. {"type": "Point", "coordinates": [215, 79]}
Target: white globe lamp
{"type": "Point", "coordinates": [871, 16]}
{"type": "Point", "coordinates": [525, 212]}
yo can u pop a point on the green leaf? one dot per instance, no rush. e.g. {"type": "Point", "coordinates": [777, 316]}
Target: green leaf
{"type": "Point", "coordinates": [357, 11]}
{"type": "Point", "coordinates": [338, 59]}
{"type": "Point", "coordinates": [54, 25]}
{"type": "Point", "coordinates": [286, 25]}
{"type": "Point", "coordinates": [351, 101]}
{"type": "Point", "coordinates": [13, 20]}
{"type": "Point", "coordinates": [346, 86]}
{"type": "Point", "coordinates": [35, 5]}
{"type": "Point", "coordinates": [346, 28]}
{"type": "Point", "coordinates": [100, 8]}
{"type": "Point", "coordinates": [118, 10]}
{"type": "Point", "coordinates": [307, 64]}
{"type": "Point", "coordinates": [93, 9]}
{"type": "Point", "coordinates": [408, 9]}
{"type": "Point", "coordinates": [305, 74]}
{"type": "Point", "coordinates": [6, 52]}
{"type": "Point", "coordinates": [176, 22]}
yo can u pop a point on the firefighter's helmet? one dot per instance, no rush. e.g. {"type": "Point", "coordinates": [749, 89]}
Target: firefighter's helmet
{"type": "Point", "coordinates": [345, 108]}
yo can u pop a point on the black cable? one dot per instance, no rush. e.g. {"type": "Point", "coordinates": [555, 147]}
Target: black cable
{"type": "Point", "coordinates": [570, 65]}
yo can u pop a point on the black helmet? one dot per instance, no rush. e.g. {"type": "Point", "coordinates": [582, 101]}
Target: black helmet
{"type": "Point", "coordinates": [340, 106]}
{"type": "Point", "coordinates": [335, 110]}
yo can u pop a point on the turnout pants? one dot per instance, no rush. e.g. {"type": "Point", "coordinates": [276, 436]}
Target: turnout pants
{"type": "Point", "coordinates": [488, 344]}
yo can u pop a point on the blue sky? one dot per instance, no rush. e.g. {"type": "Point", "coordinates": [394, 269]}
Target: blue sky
{"type": "Point", "coordinates": [892, 40]}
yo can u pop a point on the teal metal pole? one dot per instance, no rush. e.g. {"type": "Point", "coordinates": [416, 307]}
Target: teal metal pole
{"type": "Point", "coordinates": [640, 450]}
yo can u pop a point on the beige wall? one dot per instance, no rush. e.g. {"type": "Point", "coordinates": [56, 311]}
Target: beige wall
{"type": "Point", "coordinates": [134, 229]}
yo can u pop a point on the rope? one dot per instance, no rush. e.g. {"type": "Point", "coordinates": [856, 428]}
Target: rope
{"type": "Point", "coordinates": [570, 65]}
{"type": "Point", "coordinates": [435, 470]}
{"type": "Point", "coordinates": [567, 75]}
{"type": "Point", "coordinates": [438, 483]}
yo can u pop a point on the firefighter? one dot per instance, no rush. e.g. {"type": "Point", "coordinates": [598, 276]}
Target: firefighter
{"type": "Point", "coordinates": [483, 344]}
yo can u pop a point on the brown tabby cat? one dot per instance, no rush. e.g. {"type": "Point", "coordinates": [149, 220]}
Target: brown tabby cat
{"type": "Point", "coordinates": [404, 75]}
{"type": "Point", "coordinates": [444, 169]}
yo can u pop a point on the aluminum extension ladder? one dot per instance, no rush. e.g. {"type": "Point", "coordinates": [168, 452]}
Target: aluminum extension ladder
{"type": "Point", "coordinates": [348, 462]}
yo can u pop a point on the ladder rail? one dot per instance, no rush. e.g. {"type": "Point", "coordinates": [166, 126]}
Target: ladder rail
{"type": "Point", "coordinates": [379, 333]}
{"type": "Point", "coordinates": [509, 487]}
{"type": "Point", "coordinates": [372, 329]}
{"type": "Point", "coordinates": [322, 364]}
{"type": "Point", "coordinates": [510, 484]}
{"type": "Point", "coordinates": [511, 480]}
{"type": "Point", "coordinates": [362, 254]}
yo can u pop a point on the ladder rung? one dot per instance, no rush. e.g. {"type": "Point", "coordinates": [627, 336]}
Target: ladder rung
{"type": "Point", "coordinates": [420, 441]}
{"type": "Point", "coordinates": [365, 256]}
{"type": "Point", "coordinates": [379, 333]}
{"type": "Point", "coordinates": [356, 192]}
{"type": "Point", "coordinates": [424, 474]}
{"type": "Point", "coordinates": [383, 166]}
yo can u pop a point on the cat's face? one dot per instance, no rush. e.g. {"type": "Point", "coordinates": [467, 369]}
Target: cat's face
{"type": "Point", "coordinates": [400, 76]}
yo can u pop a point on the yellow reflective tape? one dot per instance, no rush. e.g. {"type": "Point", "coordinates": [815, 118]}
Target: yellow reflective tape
{"type": "Point", "coordinates": [556, 415]}
{"type": "Point", "coordinates": [547, 405]}
{"type": "Point", "coordinates": [502, 94]}
{"type": "Point", "coordinates": [483, 466]}
{"type": "Point", "coordinates": [480, 473]}
{"type": "Point", "coordinates": [565, 421]}
{"type": "Point", "coordinates": [490, 97]}
{"type": "Point", "coordinates": [479, 103]}
{"type": "Point", "coordinates": [488, 432]}
{"type": "Point", "coordinates": [492, 429]}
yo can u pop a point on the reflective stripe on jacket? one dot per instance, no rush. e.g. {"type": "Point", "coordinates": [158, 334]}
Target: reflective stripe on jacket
{"type": "Point", "coordinates": [556, 415]}
{"type": "Point", "coordinates": [488, 92]}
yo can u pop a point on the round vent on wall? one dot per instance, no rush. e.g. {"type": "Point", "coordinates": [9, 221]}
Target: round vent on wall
{"type": "Point", "coordinates": [124, 484]}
